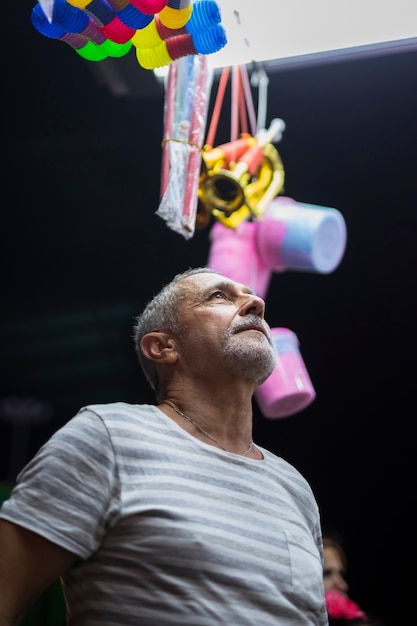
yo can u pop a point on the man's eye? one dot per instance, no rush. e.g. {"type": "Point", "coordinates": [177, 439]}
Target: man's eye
{"type": "Point", "coordinates": [218, 295]}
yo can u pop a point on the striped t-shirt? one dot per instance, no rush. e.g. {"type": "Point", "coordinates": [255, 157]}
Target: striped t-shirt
{"type": "Point", "coordinates": [170, 530]}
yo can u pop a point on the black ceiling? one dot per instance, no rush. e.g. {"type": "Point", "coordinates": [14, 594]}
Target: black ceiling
{"type": "Point", "coordinates": [82, 250]}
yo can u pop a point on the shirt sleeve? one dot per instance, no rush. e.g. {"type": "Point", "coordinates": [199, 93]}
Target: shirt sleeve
{"type": "Point", "coordinates": [69, 492]}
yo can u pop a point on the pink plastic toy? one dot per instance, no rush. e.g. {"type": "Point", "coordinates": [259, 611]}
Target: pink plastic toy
{"type": "Point", "coordinates": [288, 389]}
{"type": "Point", "coordinates": [233, 253]}
{"type": "Point", "coordinates": [298, 236]}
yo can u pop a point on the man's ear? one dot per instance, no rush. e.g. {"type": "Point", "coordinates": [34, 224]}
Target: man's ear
{"type": "Point", "coordinates": [159, 347]}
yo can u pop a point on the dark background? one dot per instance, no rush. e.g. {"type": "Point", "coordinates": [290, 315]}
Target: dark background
{"type": "Point", "coordinates": [83, 250]}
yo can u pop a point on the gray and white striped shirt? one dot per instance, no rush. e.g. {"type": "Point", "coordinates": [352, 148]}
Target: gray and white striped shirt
{"type": "Point", "coordinates": [170, 530]}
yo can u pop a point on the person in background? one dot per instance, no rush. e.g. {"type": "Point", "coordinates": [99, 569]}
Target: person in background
{"type": "Point", "coordinates": [334, 564]}
{"type": "Point", "coordinates": [170, 513]}
{"type": "Point", "coordinates": [342, 610]}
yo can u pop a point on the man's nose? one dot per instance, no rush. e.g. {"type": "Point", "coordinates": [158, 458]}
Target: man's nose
{"type": "Point", "coordinates": [253, 305]}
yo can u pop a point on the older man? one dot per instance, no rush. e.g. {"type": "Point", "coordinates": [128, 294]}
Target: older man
{"type": "Point", "coordinates": [170, 513]}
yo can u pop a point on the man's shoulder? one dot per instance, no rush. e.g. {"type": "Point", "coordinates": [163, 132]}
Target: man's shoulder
{"type": "Point", "coordinates": [117, 412]}
{"type": "Point", "coordinates": [286, 469]}
{"type": "Point", "coordinates": [118, 409]}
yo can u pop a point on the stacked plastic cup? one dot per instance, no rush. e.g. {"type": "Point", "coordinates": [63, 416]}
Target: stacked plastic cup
{"type": "Point", "coordinates": [233, 252]}
{"type": "Point", "coordinates": [298, 236]}
{"type": "Point", "coordinates": [288, 389]}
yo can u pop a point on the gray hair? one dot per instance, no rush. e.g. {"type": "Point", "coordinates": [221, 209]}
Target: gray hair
{"type": "Point", "coordinates": [161, 313]}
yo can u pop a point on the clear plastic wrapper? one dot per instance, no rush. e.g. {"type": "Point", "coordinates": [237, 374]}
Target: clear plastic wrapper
{"type": "Point", "coordinates": [187, 95]}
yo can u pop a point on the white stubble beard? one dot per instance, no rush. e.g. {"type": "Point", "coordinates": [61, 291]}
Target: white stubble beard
{"type": "Point", "coordinates": [251, 358]}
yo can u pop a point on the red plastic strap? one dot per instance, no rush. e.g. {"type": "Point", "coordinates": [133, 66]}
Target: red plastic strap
{"type": "Point", "coordinates": [241, 105]}
{"type": "Point", "coordinates": [217, 106]}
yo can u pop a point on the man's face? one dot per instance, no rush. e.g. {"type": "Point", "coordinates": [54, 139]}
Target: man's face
{"type": "Point", "coordinates": [224, 327]}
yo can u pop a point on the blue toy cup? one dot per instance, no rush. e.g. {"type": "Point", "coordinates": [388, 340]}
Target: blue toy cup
{"type": "Point", "coordinates": [297, 236]}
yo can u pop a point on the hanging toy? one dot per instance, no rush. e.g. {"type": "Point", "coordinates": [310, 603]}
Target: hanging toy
{"type": "Point", "coordinates": [239, 179]}
{"type": "Point", "coordinates": [166, 39]}
{"type": "Point", "coordinates": [186, 102]}
{"type": "Point", "coordinates": [96, 29]}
